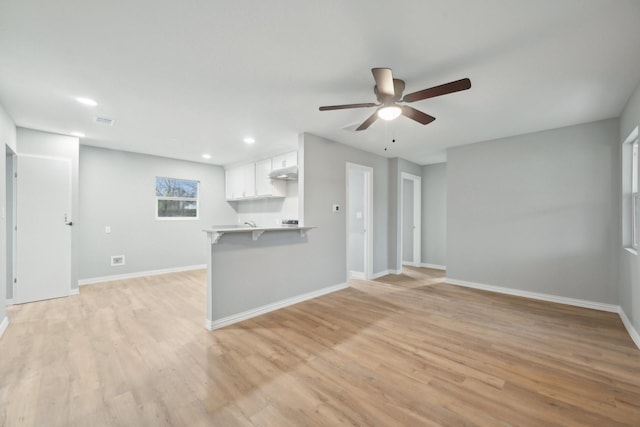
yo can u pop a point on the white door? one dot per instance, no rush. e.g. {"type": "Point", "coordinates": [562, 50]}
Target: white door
{"type": "Point", "coordinates": [43, 235]}
{"type": "Point", "coordinates": [410, 220]}
{"type": "Point", "coordinates": [359, 220]}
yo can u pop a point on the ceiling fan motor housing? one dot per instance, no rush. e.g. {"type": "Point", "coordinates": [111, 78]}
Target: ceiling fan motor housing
{"type": "Point", "coordinates": [398, 88]}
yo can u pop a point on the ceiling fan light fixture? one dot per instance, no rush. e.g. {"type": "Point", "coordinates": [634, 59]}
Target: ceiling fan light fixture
{"type": "Point", "coordinates": [389, 112]}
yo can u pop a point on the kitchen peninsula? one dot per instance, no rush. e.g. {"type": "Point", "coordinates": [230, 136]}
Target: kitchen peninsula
{"type": "Point", "coordinates": [254, 270]}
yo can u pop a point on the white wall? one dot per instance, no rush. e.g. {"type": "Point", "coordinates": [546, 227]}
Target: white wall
{"type": "Point", "coordinates": [629, 270]}
{"type": "Point", "coordinates": [537, 212]}
{"type": "Point", "coordinates": [269, 211]}
{"type": "Point", "coordinates": [8, 138]}
{"type": "Point", "coordinates": [40, 143]}
{"type": "Point", "coordinates": [118, 190]}
{"type": "Point", "coordinates": [434, 214]}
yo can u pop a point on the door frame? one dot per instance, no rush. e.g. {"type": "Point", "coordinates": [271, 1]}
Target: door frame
{"type": "Point", "coordinates": [417, 220]}
{"type": "Point", "coordinates": [368, 214]}
{"type": "Point", "coordinates": [11, 224]}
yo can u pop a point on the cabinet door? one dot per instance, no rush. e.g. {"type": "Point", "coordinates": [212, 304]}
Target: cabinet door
{"type": "Point", "coordinates": [285, 160]}
{"type": "Point", "coordinates": [263, 183]}
{"type": "Point", "coordinates": [249, 172]}
{"type": "Point", "coordinates": [234, 183]}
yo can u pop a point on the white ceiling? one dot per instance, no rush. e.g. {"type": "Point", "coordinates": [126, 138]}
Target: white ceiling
{"type": "Point", "coordinates": [183, 78]}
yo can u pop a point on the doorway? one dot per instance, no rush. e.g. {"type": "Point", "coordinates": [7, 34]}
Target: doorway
{"type": "Point", "coordinates": [410, 220]}
{"type": "Point", "coordinates": [43, 236]}
{"type": "Point", "coordinates": [359, 215]}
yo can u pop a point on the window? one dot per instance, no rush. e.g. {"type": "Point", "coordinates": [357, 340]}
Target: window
{"type": "Point", "coordinates": [176, 198]}
{"type": "Point", "coordinates": [630, 194]}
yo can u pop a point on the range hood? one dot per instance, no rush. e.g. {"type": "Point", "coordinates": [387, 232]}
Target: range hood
{"type": "Point", "coordinates": [289, 173]}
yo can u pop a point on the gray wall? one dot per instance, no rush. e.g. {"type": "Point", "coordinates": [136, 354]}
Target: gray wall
{"type": "Point", "coordinates": [40, 143]}
{"type": "Point", "coordinates": [537, 212]}
{"type": "Point", "coordinates": [629, 281]}
{"type": "Point", "coordinates": [323, 185]}
{"type": "Point", "coordinates": [8, 138]}
{"type": "Point", "coordinates": [118, 190]}
{"type": "Point", "coordinates": [434, 214]}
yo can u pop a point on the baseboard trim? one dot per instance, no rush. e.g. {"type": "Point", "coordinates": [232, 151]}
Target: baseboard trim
{"type": "Point", "coordinates": [434, 266]}
{"type": "Point", "coordinates": [356, 275]}
{"type": "Point", "coordinates": [10, 301]}
{"type": "Point", "coordinates": [3, 325]}
{"type": "Point", "coordinates": [94, 280]}
{"type": "Point", "coordinates": [384, 273]}
{"type": "Point", "coordinates": [235, 318]}
{"type": "Point", "coordinates": [536, 295]}
{"type": "Point", "coordinates": [75, 291]}
{"type": "Point", "coordinates": [630, 329]}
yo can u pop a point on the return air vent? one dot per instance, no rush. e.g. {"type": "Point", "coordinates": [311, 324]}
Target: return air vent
{"type": "Point", "coordinates": [117, 260]}
{"type": "Point", "coordinates": [104, 121]}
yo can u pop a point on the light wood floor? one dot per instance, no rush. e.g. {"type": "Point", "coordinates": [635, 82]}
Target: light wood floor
{"type": "Point", "coordinates": [404, 350]}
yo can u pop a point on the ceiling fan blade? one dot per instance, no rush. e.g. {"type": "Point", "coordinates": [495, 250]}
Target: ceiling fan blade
{"type": "Point", "coordinates": [416, 115]}
{"type": "Point", "coordinates": [444, 89]}
{"type": "Point", "coordinates": [345, 106]}
{"type": "Point", "coordinates": [384, 81]}
{"type": "Point", "coordinates": [372, 118]}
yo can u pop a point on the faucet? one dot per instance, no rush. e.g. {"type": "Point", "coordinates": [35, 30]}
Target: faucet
{"type": "Point", "coordinates": [251, 224]}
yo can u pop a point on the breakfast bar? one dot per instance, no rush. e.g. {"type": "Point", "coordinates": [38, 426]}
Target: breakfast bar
{"type": "Point", "coordinates": [254, 270]}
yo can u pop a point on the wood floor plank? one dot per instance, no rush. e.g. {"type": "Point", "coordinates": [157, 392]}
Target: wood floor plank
{"type": "Point", "coordinates": [405, 349]}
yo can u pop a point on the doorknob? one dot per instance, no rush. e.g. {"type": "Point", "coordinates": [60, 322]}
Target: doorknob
{"type": "Point", "coordinates": [67, 222]}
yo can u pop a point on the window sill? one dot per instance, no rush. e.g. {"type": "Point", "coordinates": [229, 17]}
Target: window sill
{"type": "Point", "coordinates": [631, 251]}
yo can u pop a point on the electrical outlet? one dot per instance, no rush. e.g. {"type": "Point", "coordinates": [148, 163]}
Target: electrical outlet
{"type": "Point", "coordinates": [117, 260]}
{"type": "Point", "coordinates": [335, 208]}
{"type": "Point", "coordinates": [107, 229]}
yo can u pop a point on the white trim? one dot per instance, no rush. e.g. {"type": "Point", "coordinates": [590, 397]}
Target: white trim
{"type": "Point", "coordinates": [234, 318]}
{"type": "Point", "coordinates": [102, 279]}
{"type": "Point", "coordinates": [3, 325]}
{"type": "Point", "coordinates": [356, 275]}
{"type": "Point", "coordinates": [434, 266]}
{"type": "Point", "coordinates": [75, 291]}
{"type": "Point", "coordinates": [630, 329]}
{"type": "Point", "coordinates": [384, 273]}
{"type": "Point", "coordinates": [536, 295]}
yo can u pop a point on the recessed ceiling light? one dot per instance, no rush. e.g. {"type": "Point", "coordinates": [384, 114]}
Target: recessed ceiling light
{"type": "Point", "coordinates": [249, 140]}
{"type": "Point", "coordinates": [86, 101]}
{"type": "Point", "coordinates": [206, 156]}
{"type": "Point", "coordinates": [78, 134]}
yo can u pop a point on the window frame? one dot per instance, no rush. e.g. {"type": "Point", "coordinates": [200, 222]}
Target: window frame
{"type": "Point", "coordinates": [182, 199]}
{"type": "Point", "coordinates": [630, 207]}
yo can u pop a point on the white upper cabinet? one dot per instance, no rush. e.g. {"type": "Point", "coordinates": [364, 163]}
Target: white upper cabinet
{"type": "Point", "coordinates": [285, 160]}
{"type": "Point", "coordinates": [252, 180]}
{"type": "Point", "coordinates": [263, 183]}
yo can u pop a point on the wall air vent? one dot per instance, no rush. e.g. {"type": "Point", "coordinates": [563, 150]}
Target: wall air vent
{"type": "Point", "coordinates": [105, 121]}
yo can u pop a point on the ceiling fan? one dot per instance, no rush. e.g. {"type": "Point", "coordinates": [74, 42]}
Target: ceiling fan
{"type": "Point", "coordinates": [389, 94]}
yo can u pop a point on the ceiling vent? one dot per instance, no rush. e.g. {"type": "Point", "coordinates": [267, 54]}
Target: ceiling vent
{"type": "Point", "coordinates": [104, 121]}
